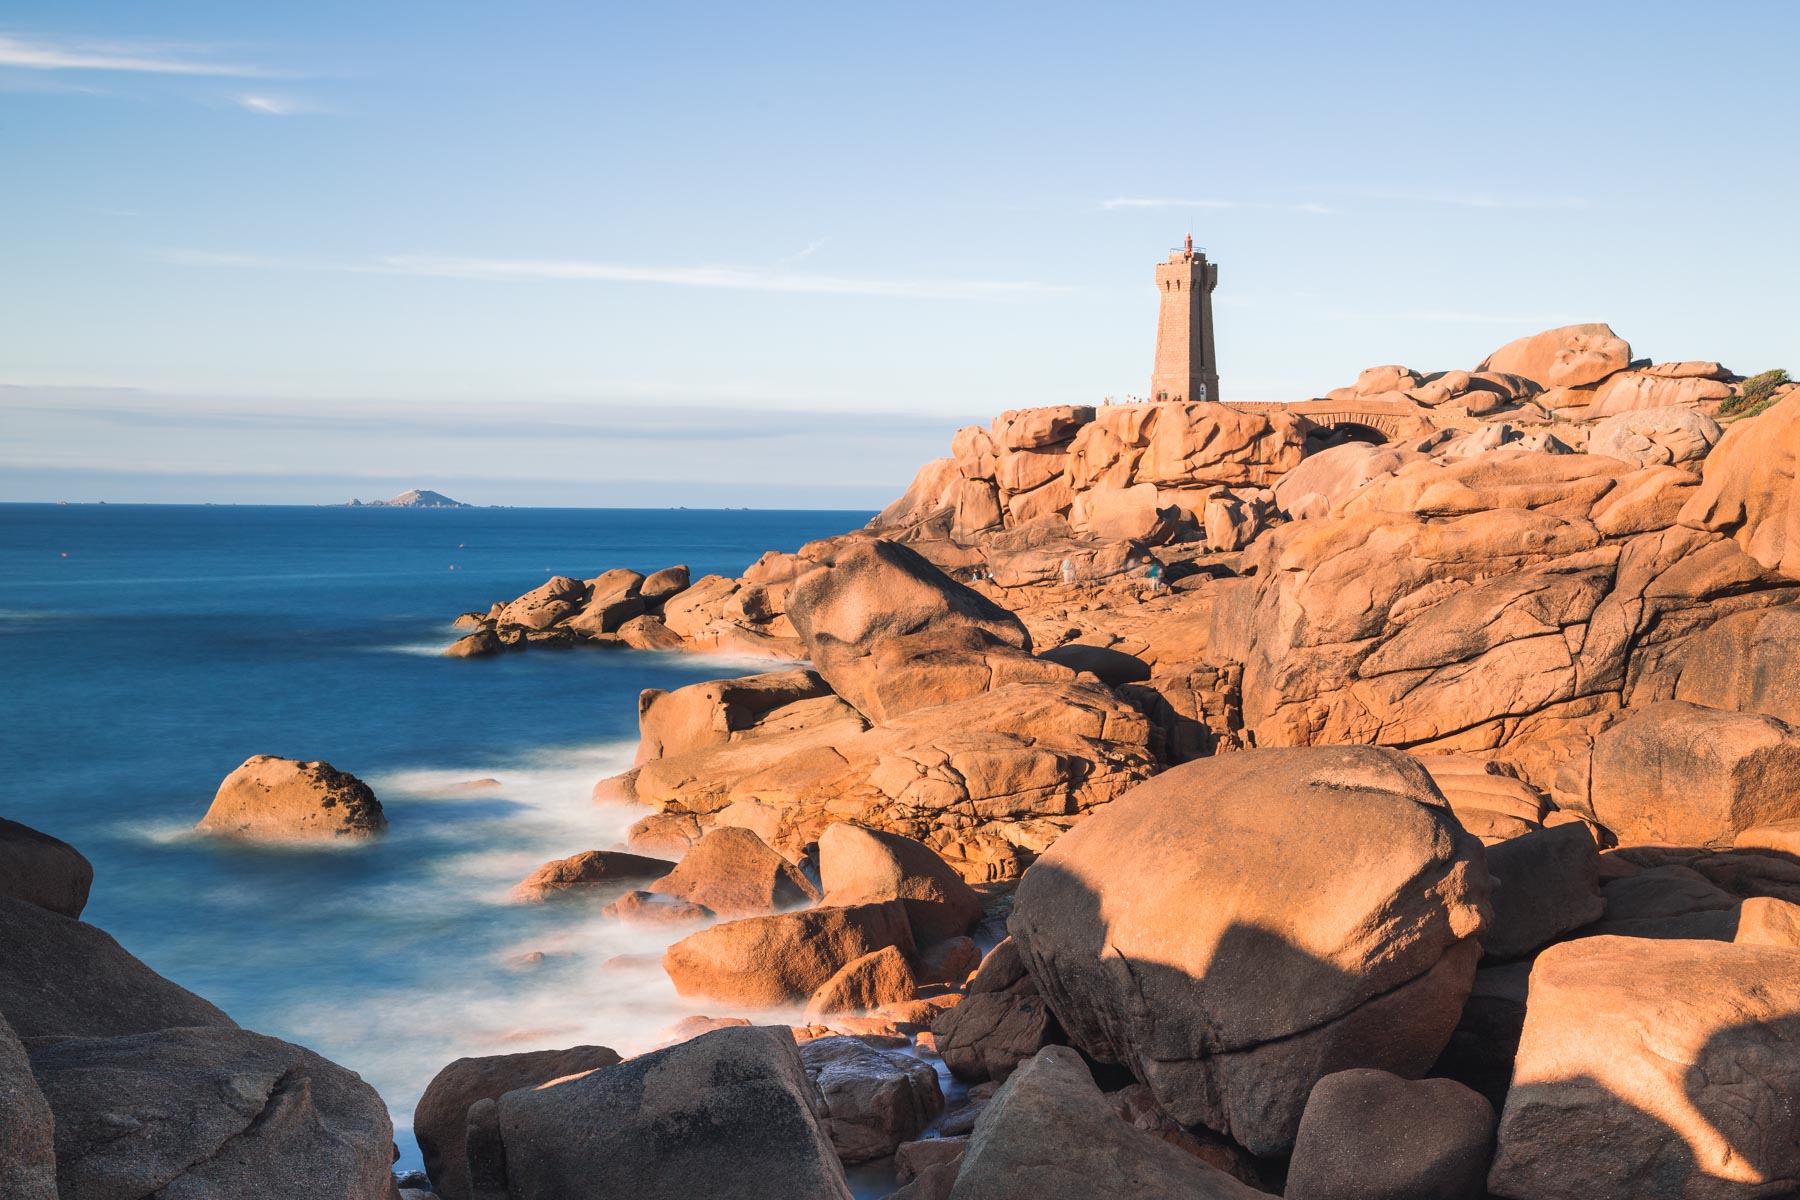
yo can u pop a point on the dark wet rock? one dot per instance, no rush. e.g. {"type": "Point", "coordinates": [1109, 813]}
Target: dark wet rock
{"type": "Point", "coordinates": [64, 978]}
{"type": "Point", "coordinates": [43, 870]}
{"type": "Point", "coordinates": [441, 1121]}
{"type": "Point", "coordinates": [1049, 1134]}
{"type": "Point", "coordinates": [27, 1130]}
{"type": "Point", "coordinates": [1369, 1135]}
{"type": "Point", "coordinates": [1001, 1022]}
{"type": "Point", "coordinates": [211, 1113]}
{"type": "Point", "coordinates": [1549, 884]}
{"type": "Point", "coordinates": [730, 1113]}
{"type": "Point", "coordinates": [873, 1099]}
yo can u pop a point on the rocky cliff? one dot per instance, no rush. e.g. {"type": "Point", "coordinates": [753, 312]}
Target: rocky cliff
{"type": "Point", "coordinates": [1395, 793]}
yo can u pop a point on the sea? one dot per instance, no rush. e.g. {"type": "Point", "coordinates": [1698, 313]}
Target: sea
{"type": "Point", "coordinates": [149, 650]}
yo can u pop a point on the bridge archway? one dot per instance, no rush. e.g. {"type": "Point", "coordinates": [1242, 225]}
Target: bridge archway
{"type": "Point", "coordinates": [1336, 433]}
{"type": "Point", "coordinates": [1361, 420]}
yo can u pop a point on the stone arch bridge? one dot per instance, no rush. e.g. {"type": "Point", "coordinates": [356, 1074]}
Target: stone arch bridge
{"type": "Point", "coordinates": [1387, 420]}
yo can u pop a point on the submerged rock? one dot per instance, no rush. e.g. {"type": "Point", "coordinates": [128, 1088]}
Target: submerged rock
{"type": "Point", "coordinates": [583, 874]}
{"type": "Point", "coordinates": [281, 799]}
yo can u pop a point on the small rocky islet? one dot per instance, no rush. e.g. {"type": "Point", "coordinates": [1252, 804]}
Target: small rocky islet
{"type": "Point", "coordinates": [1395, 794]}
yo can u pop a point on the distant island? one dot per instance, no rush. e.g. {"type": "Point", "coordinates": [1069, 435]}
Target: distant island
{"type": "Point", "coordinates": [416, 498]}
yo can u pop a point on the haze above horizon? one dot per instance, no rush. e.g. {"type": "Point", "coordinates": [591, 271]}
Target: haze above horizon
{"type": "Point", "coordinates": [710, 255]}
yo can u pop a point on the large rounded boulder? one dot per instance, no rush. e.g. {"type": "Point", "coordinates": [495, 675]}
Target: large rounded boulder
{"type": "Point", "coordinates": [1238, 928]}
{"type": "Point", "coordinates": [64, 978]}
{"type": "Point", "coordinates": [27, 1130]}
{"type": "Point", "coordinates": [211, 1112]}
{"type": "Point", "coordinates": [891, 633]}
{"type": "Point", "coordinates": [1750, 488]}
{"type": "Point", "coordinates": [441, 1121]}
{"type": "Point", "coordinates": [868, 866]}
{"type": "Point", "coordinates": [730, 1113]}
{"type": "Point", "coordinates": [767, 962]}
{"type": "Point", "coordinates": [1652, 1069]}
{"type": "Point", "coordinates": [1565, 357]}
{"type": "Point", "coordinates": [281, 799]}
{"type": "Point", "coordinates": [43, 870]}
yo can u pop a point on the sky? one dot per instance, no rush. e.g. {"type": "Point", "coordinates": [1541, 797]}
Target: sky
{"type": "Point", "coordinates": [776, 254]}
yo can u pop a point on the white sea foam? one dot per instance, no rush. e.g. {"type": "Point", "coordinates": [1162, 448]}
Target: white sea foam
{"type": "Point", "coordinates": [24, 616]}
{"type": "Point", "coordinates": [548, 983]}
{"type": "Point", "coordinates": [479, 974]}
{"type": "Point", "coordinates": [422, 649]}
{"type": "Point", "coordinates": [730, 663]}
{"type": "Point", "coordinates": [546, 810]}
{"type": "Point", "coordinates": [165, 832]}
{"type": "Point", "coordinates": [158, 832]}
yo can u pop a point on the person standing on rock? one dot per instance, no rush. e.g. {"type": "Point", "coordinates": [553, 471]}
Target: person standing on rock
{"type": "Point", "coordinates": [1068, 572]}
{"type": "Point", "coordinates": [1153, 578]}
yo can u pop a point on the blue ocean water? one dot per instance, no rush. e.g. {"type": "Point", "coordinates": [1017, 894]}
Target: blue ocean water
{"type": "Point", "coordinates": [150, 649]}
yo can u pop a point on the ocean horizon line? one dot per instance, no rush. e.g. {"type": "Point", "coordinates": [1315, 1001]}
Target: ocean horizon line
{"type": "Point", "coordinates": [432, 508]}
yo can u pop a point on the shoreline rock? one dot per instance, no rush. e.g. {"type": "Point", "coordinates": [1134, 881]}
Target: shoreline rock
{"type": "Point", "coordinates": [272, 799]}
{"type": "Point", "coordinates": [1301, 783]}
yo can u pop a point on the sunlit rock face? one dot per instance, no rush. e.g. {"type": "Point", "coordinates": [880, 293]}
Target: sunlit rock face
{"type": "Point", "coordinates": [278, 799]}
{"type": "Point", "coordinates": [1133, 471]}
{"type": "Point", "coordinates": [1751, 488]}
{"type": "Point", "coordinates": [1655, 1068]}
{"type": "Point", "coordinates": [1237, 928]}
{"type": "Point", "coordinates": [1566, 357]}
{"type": "Point", "coordinates": [928, 717]}
{"type": "Point", "coordinates": [1513, 597]}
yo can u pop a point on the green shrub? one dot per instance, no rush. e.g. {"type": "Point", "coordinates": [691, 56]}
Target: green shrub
{"type": "Point", "coordinates": [1756, 394]}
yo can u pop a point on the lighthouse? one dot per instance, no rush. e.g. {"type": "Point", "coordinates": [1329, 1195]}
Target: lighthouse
{"type": "Point", "coordinates": [1186, 367]}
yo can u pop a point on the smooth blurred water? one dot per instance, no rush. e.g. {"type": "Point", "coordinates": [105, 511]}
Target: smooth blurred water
{"type": "Point", "coordinates": [149, 650]}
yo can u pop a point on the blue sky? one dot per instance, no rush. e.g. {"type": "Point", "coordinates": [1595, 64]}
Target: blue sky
{"type": "Point", "coordinates": [692, 253]}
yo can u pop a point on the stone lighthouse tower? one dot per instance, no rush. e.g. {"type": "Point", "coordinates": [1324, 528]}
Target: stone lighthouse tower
{"type": "Point", "coordinates": [1186, 368]}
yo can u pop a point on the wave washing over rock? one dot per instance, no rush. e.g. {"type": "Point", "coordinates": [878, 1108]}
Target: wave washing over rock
{"type": "Point", "coordinates": [1392, 794]}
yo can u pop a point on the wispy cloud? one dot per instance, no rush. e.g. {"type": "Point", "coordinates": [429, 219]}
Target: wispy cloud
{"type": "Point", "coordinates": [594, 418]}
{"type": "Point", "coordinates": [1440, 316]}
{"type": "Point", "coordinates": [277, 106]}
{"type": "Point", "coordinates": [38, 83]}
{"type": "Point", "coordinates": [141, 57]}
{"type": "Point", "coordinates": [1477, 199]}
{"type": "Point", "coordinates": [810, 249]}
{"type": "Point", "coordinates": [1451, 199]}
{"type": "Point", "coordinates": [728, 278]}
{"type": "Point", "coordinates": [1171, 202]}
